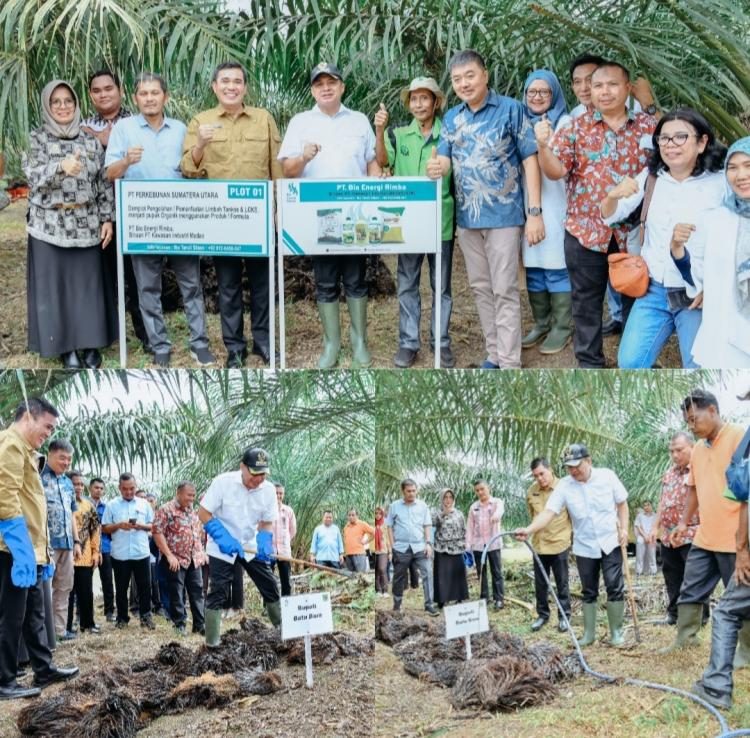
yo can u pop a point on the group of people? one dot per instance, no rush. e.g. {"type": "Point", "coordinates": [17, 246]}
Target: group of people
{"type": "Point", "coordinates": [564, 189]}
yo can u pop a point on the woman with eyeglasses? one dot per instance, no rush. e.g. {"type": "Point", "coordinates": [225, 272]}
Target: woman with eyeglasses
{"type": "Point", "coordinates": [547, 281]}
{"type": "Point", "coordinates": [684, 176]}
{"type": "Point", "coordinates": [70, 297]}
{"type": "Point", "coordinates": [723, 341]}
{"type": "Point", "coordinates": [449, 568]}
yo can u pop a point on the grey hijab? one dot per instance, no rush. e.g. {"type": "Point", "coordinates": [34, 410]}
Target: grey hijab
{"type": "Point", "coordinates": [69, 130]}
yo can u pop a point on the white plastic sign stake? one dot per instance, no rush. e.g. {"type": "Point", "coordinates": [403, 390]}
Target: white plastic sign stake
{"type": "Point", "coordinates": [464, 620]}
{"type": "Point", "coordinates": [304, 616]}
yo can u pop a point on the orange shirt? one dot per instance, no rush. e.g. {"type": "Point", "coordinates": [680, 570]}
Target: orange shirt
{"type": "Point", "coordinates": [353, 535]}
{"type": "Point", "coordinates": [719, 516]}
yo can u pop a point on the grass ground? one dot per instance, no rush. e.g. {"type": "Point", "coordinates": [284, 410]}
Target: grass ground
{"type": "Point", "coordinates": [303, 326]}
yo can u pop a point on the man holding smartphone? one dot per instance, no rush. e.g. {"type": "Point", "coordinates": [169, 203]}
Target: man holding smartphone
{"type": "Point", "coordinates": [128, 521]}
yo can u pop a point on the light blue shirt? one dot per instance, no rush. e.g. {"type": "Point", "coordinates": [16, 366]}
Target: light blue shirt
{"type": "Point", "coordinates": [327, 544]}
{"type": "Point", "coordinates": [162, 149]}
{"type": "Point", "coordinates": [408, 522]}
{"type": "Point", "coordinates": [129, 545]}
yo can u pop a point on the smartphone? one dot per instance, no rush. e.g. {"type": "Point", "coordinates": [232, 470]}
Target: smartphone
{"type": "Point", "coordinates": [133, 521]}
{"type": "Point", "coordinates": [678, 299]}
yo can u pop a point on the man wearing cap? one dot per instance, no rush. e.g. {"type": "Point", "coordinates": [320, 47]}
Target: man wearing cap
{"type": "Point", "coordinates": [235, 141]}
{"type": "Point", "coordinates": [596, 502]}
{"type": "Point", "coordinates": [330, 142]}
{"type": "Point", "coordinates": [238, 512]}
{"type": "Point", "coordinates": [406, 150]}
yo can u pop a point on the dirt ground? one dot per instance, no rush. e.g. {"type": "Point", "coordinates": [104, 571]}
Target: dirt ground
{"type": "Point", "coordinates": [303, 326]}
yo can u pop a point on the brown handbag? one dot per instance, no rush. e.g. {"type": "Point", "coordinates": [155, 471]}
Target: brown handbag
{"type": "Point", "coordinates": [628, 273]}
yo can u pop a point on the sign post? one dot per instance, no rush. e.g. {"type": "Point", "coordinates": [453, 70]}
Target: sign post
{"type": "Point", "coordinates": [305, 616]}
{"type": "Point", "coordinates": [396, 215]}
{"type": "Point", "coordinates": [464, 620]}
{"type": "Point", "coordinates": [195, 217]}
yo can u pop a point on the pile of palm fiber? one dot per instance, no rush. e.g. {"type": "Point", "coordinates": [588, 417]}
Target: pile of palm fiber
{"type": "Point", "coordinates": [328, 647]}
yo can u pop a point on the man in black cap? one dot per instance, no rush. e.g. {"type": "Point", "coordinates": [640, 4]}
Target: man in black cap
{"type": "Point", "coordinates": [332, 142]}
{"type": "Point", "coordinates": [596, 502]}
{"type": "Point", "coordinates": [238, 512]}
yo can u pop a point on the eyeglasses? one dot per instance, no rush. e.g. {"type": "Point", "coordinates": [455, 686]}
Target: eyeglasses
{"type": "Point", "coordinates": [679, 139]}
{"type": "Point", "coordinates": [544, 94]}
{"type": "Point", "coordinates": [66, 103]}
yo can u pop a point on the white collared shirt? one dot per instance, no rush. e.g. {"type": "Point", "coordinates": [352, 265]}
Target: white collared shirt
{"type": "Point", "coordinates": [346, 139]}
{"type": "Point", "coordinates": [239, 509]}
{"type": "Point", "coordinates": [592, 507]}
{"type": "Point", "coordinates": [673, 202]}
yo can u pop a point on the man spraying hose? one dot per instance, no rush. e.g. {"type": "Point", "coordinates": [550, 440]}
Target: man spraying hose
{"type": "Point", "coordinates": [238, 512]}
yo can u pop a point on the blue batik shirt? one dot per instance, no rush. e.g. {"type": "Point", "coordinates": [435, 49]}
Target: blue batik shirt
{"type": "Point", "coordinates": [61, 504]}
{"type": "Point", "coordinates": [487, 148]}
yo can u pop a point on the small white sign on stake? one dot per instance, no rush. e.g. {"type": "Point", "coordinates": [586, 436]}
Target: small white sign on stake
{"type": "Point", "coordinates": [303, 616]}
{"type": "Point", "coordinates": [466, 619]}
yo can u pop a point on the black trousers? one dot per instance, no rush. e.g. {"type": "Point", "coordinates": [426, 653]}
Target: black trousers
{"type": "Point", "coordinates": [610, 566]}
{"type": "Point", "coordinates": [83, 594]}
{"type": "Point", "coordinates": [141, 569]}
{"type": "Point", "coordinates": [703, 569]}
{"type": "Point", "coordinates": [496, 568]}
{"type": "Point", "coordinates": [327, 271]}
{"type": "Point", "coordinates": [190, 579]}
{"type": "Point", "coordinates": [558, 565]}
{"type": "Point", "coordinates": [285, 576]}
{"type": "Point", "coordinates": [589, 272]}
{"type": "Point", "coordinates": [673, 568]}
{"type": "Point", "coordinates": [221, 575]}
{"type": "Point", "coordinates": [236, 595]}
{"type": "Point", "coordinates": [155, 593]}
{"type": "Point", "coordinates": [413, 574]}
{"type": "Point", "coordinates": [229, 278]}
{"type": "Point", "coordinates": [21, 614]}
{"type": "Point", "coordinates": [108, 586]}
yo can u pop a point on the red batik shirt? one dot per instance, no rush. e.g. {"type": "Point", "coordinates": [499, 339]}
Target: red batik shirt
{"type": "Point", "coordinates": [182, 531]}
{"type": "Point", "coordinates": [673, 501]}
{"type": "Point", "coordinates": [597, 158]}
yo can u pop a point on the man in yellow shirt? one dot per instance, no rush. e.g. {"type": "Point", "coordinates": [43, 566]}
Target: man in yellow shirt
{"type": "Point", "coordinates": [24, 553]}
{"type": "Point", "coordinates": [356, 535]}
{"type": "Point", "coordinates": [235, 141]}
{"type": "Point", "coordinates": [551, 544]}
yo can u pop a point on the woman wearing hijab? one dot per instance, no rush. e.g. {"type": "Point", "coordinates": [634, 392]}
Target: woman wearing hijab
{"type": "Point", "coordinates": [723, 340]}
{"type": "Point", "coordinates": [382, 554]}
{"type": "Point", "coordinates": [449, 569]}
{"type": "Point", "coordinates": [70, 300]}
{"type": "Point", "coordinates": [547, 281]}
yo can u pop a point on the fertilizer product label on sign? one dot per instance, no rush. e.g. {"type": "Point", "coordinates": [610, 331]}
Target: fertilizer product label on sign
{"type": "Point", "coordinates": [194, 217]}
{"type": "Point", "coordinates": [360, 216]}
{"type": "Point", "coordinates": [466, 619]}
{"type": "Point", "coordinates": [308, 614]}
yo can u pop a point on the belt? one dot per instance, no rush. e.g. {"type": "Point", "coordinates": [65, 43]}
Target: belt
{"type": "Point", "coordinates": [68, 205]}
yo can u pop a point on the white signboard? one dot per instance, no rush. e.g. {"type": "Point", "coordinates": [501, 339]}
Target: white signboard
{"type": "Point", "coordinates": [395, 215]}
{"type": "Point", "coordinates": [194, 216]}
{"type": "Point", "coordinates": [306, 615]}
{"type": "Point", "coordinates": [466, 619]}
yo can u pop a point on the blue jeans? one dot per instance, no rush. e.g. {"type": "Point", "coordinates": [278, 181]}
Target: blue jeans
{"type": "Point", "coordinates": [649, 326]}
{"type": "Point", "coordinates": [410, 301]}
{"type": "Point", "coordinates": [614, 303]}
{"type": "Point", "coordinates": [547, 280]}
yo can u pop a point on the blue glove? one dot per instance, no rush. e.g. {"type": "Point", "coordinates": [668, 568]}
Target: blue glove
{"type": "Point", "coordinates": [16, 536]}
{"type": "Point", "coordinates": [264, 546]}
{"type": "Point", "coordinates": [468, 559]}
{"type": "Point", "coordinates": [226, 542]}
{"type": "Point", "coordinates": [48, 571]}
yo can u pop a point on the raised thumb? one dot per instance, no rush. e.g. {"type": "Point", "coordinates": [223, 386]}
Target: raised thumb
{"type": "Point", "coordinates": [382, 107]}
{"type": "Point", "coordinates": [433, 154]}
{"type": "Point", "coordinates": [77, 153]}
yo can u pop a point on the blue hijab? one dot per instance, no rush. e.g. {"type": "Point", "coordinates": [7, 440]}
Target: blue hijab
{"type": "Point", "coordinates": [558, 108]}
{"type": "Point", "coordinates": [734, 203]}
{"type": "Point", "coordinates": [742, 247]}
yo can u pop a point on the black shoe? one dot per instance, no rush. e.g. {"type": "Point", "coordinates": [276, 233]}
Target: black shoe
{"type": "Point", "coordinates": [121, 625]}
{"type": "Point", "coordinates": [146, 346]}
{"type": "Point", "coordinates": [612, 328]}
{"type": "Point", "coordinates": [712, 696]}
{"type": "Point", "coordinates": [561, 626]}
{"type": "Point", "coordinates": [199, 631]}
{"type": "Point", "coordinates": [203, 357]}
{"type": "Point", "coordinates": [499, 604]}
{"type": "Point", "coordinates": [148, 623]}
{"type": "Point", "coordinates": [446, 358]}
{"type": "Point", "coordinates": [110, 616]}
{"type": "Point", "coordinates": [94, 629]}
{"type": "Point", "coordinates": [236, 359]}
{"type": "Point", "coordinates": [71, 360]}
{"type": "Point", "coordinates": [55, 674]}
{"type": "Point", "coordinates": [16, 691]}
{"type": "Point", "coordinates": [538, 624]}
{"type": "Point", "coordinates": [263, 351]}
{"type": "Point", "coordinates": [163, 359]}
{"type": "Point", "coordinates": [431, 610]}
{"type": "Point", "coordinates": [404, 357]}
{"type": "Point", "coordinates": [92, 359]}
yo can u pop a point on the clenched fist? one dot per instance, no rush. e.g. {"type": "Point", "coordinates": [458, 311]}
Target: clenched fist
{"type": "Point", "coordinates": [134, 154]}
{"type": "Point", "coordinates": [680, 236]}
{"type": "Point", "coordinates": [625, 188]}
{"type": "Point", "coordinates": [72, 164]}
{"type": "Point", "coordinates": [206, 134]}
{"type": "Point", "coordinates": [543, 132]}
{"type": "Point", "coordinates": [381, 117]}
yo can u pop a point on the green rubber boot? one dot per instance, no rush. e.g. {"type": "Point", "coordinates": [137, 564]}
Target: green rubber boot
{"type": "Point", "coordinates": [689, 618]}
{"type": "Point", "coordinates": [274, 612]}
{"type": "Point", "coordinates": [329, 319]}
{"type": "Point", "coordinates": [540, 309]}
{"type": "Point", "coordinates": [742, 654]}
{"type": "Point", "coordinates": [615, 615]}
{"type": "Point", "coordinates": [213, 628]}
{"type": "Point", "coordinates": [562, 315]}
{"type": "Point", "coordinates": [361, 358]}
{"type": "Point", "coordinates": [589, 624]}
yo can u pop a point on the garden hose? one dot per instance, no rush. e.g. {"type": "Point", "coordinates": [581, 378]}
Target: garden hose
{"type": "Point", "coordinates": [607, 677]}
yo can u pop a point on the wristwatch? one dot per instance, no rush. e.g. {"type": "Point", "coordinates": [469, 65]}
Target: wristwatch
{"type": "Point", "coordinates": [650, 109]}
{"type": "Point", "coordinates": [534, 211]}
